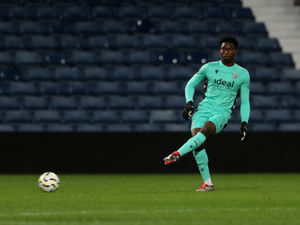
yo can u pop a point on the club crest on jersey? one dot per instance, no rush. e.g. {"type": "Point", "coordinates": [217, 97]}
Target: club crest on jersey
{"type": "Point", "coordinates": [235, 75]}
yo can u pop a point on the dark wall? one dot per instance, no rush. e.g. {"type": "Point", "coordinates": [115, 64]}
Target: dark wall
{"type": "Point", "coordinates": [143, 152]}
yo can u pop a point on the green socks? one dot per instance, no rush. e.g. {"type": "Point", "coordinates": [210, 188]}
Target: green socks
{"type": "Point", "coordinates": [192, 144]}
{"type": "Point", "coordinates": [202, 162]}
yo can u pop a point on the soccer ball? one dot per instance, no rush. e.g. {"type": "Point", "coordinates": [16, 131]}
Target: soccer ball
{"type": "Point", "coordinates": [48, 181]}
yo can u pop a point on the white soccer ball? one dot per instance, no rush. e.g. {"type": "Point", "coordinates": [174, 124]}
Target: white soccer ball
{"type": "Point", "coordinates": [48, 181]}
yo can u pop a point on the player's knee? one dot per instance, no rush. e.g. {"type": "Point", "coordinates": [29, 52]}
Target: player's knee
{"type": "Point", "coordinates": [208, 129]}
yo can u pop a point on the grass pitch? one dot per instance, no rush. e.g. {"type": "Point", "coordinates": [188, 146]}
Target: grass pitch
{"type": "Point", "coordinates": [152, 199]}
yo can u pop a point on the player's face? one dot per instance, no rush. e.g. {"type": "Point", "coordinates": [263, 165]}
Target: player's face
{"type": "Point", "coordinates": [228, 52]}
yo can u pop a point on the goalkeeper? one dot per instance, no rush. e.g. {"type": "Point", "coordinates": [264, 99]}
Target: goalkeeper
{"type": "Point", "coordinates": [224, 80]}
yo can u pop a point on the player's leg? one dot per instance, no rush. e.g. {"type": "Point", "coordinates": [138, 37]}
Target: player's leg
{"type": "Point", "coordinates": [208, 128]}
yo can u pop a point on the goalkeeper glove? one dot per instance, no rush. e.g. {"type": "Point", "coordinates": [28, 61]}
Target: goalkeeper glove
{"type": "Point", "coordinates": [244, 131]}
{"type": "Point", "coordinates": [188, 110]}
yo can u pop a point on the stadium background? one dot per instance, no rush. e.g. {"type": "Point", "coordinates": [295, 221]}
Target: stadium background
{"type": "Point", "coordinates": [98, 86]}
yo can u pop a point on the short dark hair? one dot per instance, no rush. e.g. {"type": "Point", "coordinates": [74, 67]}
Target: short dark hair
{"type": "Point", "coordinates": [229, 39]}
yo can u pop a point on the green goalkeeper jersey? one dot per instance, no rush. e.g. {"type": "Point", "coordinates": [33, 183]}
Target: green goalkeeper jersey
{"type": "Point", "coordinates": [223, 85]}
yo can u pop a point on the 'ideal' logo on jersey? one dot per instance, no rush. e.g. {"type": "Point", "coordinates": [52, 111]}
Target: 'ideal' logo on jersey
{"type": "Point", "coordinates": [224, 82]}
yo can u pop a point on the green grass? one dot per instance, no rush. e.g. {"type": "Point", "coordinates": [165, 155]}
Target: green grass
{"type": "Point", "coordinates": [152, 199]}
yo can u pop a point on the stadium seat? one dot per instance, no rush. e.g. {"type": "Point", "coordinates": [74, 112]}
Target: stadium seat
{"type": "Point", "coordinates": [61, 102]}
{"type": "Point", "coordinates": [183, 73]}
{"type": "Point", "coordinates": [115, 27]}
{"type": "Point", "coordinates": [6, 58]}
{"type": "Point", "coordinates": [47, 116]}
{"type": "Point", "coordinates": [280, 87]}
{"type": "Point", "coordinates": [110, 58]}
{"type": "Point", "coordinates": [267, 74]}
{"type": "Point", "coordinates": [45, 13]}
{"type": "Point", "coordinates": [66, 73]}
{"type": "Point", "coordinates": [7, 128]}
{"type": "Point", "coordinates": [264, 127]}
{"type": "Point", "coordinates": [159, 12]}
{"type": "Point", "coordinates": [163, 116]}
{"type": "Point", "coordinates": [241, 14]}
{"type": "Point", "coordinates": [215, 14]}
{"type": "Point", "coordinates": [123, 73]}
{"type": "Point", "coordinates": [121, 102]}
{"type": "Point", "coordinates": [174, 102]}
{"type": "Point", "coordinates": [176, 127]}
{"type": "Point", "coordinates": [75, 88]}
{"type": "Point", "coordinates": [150, 102]}
{"type": "Point", "coordinates": [146, 127]}
{"type": "Point", "coordinates": [267, 45]}
{"type": "Point", "coordinates": [28, 28]}
{"type": "Point", "coordinates": [18, 116]}
{"type": "Point", "coordinates": [100, 12]}
{"type": "Point", "coordinates": [279, 59]}
{"type": "Point", "coordinates": [290, 74]}
{"type": "Point", "coordinates": [89, 128]}
{"type": "Point", "coordinates": [258, 88]}
{"type": "Point", "coordinates": [151, 73]}
{"type": "Point", "coordinates": [22, 88]}
{"type": "Point", "coordinates": [13, 42]}
{"type": "Point", "coordinates": [136, 87]}
{"type": "Point", "coordinates": [170, 27]}
{"type": "Point", "coordinates": [289, 127]}
{"type": "Point", "coordinates": [9, 103]}
{"type": "Point", "coordinates": [8, 28]}
{"type": "Point", "coordinates": [278, 115]}
{"type": "Point", "coordinates": [165, 87]}
{"type": "Point", "coordinates": [180, 42]}
{"type": "Point", "coordinates": [92, 103]}
{"type": "Point", "coordinates": [131, 13]}
{"type": "Point", "coordinates": [35, 102]}
{"type": "Point", "coordinates": [105, 116]}
{"type": "Point", "coordinates": [104, 87]}
{"type": "Point", "coordinates": [139, 57]}
{"type": "Point", "coordinates": [66, 42]}
{"type": "Point", "coordinates": [94, 73]}
{"type": "Point", "coordinates": [254, 29]}
{"type": "Point", "coordinates": [186, 13]}
{"type": "Point", "coordinates": [75, 116]}
{"type": "Point", "coordinates": [43, 42]}
{"type": "Point", "coordinates": [30, 127]}
{"type": "Point", "coordinates": [74, 13]}
{"type": "Point", "coordinates": [58, 127]}
{"type": "Point", "coordinates": [36, 74]}
{"type": "Point", "coordinates": [134, 116]}
{"type": "Point", "coordinates": [263, 101]}
{"type": "Point", "coordinates": [290, 102]}
{"type": "Point", "coordinates": [82, 58]}
{"type": "Point", "coordinates": [200, 28]}
{"type": "Point", "coordinates": [49, 88]}
{"type": "Point", "coordinates": [153, 42]}
{"type": "Point", "coordinates": [97, 42]}
{"type": "Point", "coordinates": [127, 42]}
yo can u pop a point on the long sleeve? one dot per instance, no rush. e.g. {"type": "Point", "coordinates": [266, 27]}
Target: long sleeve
{"type": "Point", "coordinates": [245, 103]}
{"type": "Point", "coordinates": [193, 82]}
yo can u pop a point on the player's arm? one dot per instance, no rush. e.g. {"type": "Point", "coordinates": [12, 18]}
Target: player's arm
{"type": "Point", "coordinates": [245, 106]}
{"type": "Point", "coordinates": [190, 91]}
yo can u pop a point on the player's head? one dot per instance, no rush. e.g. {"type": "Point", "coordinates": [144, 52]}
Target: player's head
{"type": "Point", "coordinates": [228, 49]}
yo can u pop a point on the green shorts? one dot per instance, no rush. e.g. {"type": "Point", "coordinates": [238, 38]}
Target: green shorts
{"type": "Point", "coordinates": [201, 116]}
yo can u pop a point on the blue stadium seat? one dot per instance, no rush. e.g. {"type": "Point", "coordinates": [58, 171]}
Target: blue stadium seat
{"type": "Point", "coordinates": [280, 87]}
{"type": "Point", "coordinates": [137, 87]}
{"type": "Point", "coordinates": [168, 58]}
{"type": "Point", "coordinates": [278, 115]}
{"type": "Point", "coordinates": [150, 102]}
{"type": "Point", "coordinates": [45, 12]}
{"type": "Point", "coordinates": [224, 28]}
{"type": "Point", "coordinates": [82, 58]}
{"type": "Point", "coordinates": [97, 42]}
{"type": "Point", "coordinates": [279, 59]}
{"type": "Point", "coordinates": [26, 57]}
{"type": "Point", "coordinates": [290, 102]}
{"type": "Point", "coordinates": [8, 28]}
{"type": "Point", "coordinates": [47, 116]}
{"type": "Point", "coordinates": [257, 115]}
{"type": "Point", "coordinates": [152, 41]}
{"type": "Point", "coordinates": [104, 87]}
{"type": "Point", "coordinates": [131, 13]}
{"type": "Point", "coordinates": [94, 73]}
{"type": "Point", "coordinates": [59, 27]}
{"type": "Point", "coordinates": [134, 116]}
{"type": "Point", "coordinates": [140, 57]}
{"type": "Point", "coordinates": [6, 58]}
{"type": "Point", "coordinates": [18, 116]}
{"type": "Point", "coordinates": [151, 73]}
{"type": "Point", "coordinates": [37, 74]}
{"type": "Point", "coordinates": [268, 74]}
{"type": "Point", "coordinates": [30, 28]}
{"type": "Point", "coordinates": [110, 58]}
{"type": "Point", "coordinates": [258, 88]}
{"type": "Point", "coordinates": [116, 27]}
{"type": "Point", "coordinates": [254, 29]}
{"type": "Point", "coordinates": [118, 128]}
{"type": "Point", "coordinates": [265, 127]}
{"type": "Point", "coordinates": [75, 88]}
{"type": "Point", "coordinates": [159, 12]}
{"type": "Point", "coordinates": [147, 127]}
{"type": "Point", "coordinates": [121, 102]}
{"type": "Point", "coordinates": [7, 128]}
{"type": "Point", "coordinates": [291, 74]}
{"type": "Point", "coordinates": [105, 116]}
{"type": "Point", "coordinates": [171, 27]}
{"type": "Point", "coordinates": [22, 88]}
{"type": "Point", "coordinates": [179, 73]}
{"type": "Point", "coordinates": [58, 127]}
{"type": "Point", "coordinates": [176, 127]}
{"type": "Point", "coordinates": [76, 116]}
{"type": "Point", "coordinates": [200, 27]}
{"type": "Point", "coordinates": [263, 101]}
{"type": "Point", "coordinates": [174, 101]}
{"type": "Point", "coordinates": [43, 42]}
{"type": "Point", "coordinates": [66, 73]}
{"type": "Point", "coordinates": [267, 45]}
{"type": "Point", "coordinates": [30, 127]}
{"type": "Point", "coordinates": [8, 103]}
{"type": "Point", "coordinates": [297, 88]}
{"type": "Point", "coordinates": [163, 116]}
{"type": "Point", "coordinates": [74, 13]}
{"type": "Point", "coordinates": [61, 102]}
{"type": "Point", "coordinates": [66, 42]}
{"type": "Point", "coordinates": [292, 127]}
{"type": "Point", "coordinates": [183, 42]}
{"type": "Point", "coordinates": [49, 88]}
{"type": "Point", "coordinates": [14, 42]}
{"type": "Point", "coordinates": [241, 14]}
{"type": "Point", "coordinates": [56, 58]}
{"type": "Point", "coordinates": [186, 13]}
{"type": "Point", "coordinates": [255, 59]}
{"type": "Point", "coordinates": [215, 14]}
{"type": "Point", "coordinates": [87, 27]}
{"type": "Point", "coordinates": [89, 128]}
{"type": "Point", "coordinates": [123, 73]}
{"type": "Point", "coordinates": [165, 87]}
{"type": "Point", "coordinates": [210, 42]}
{"type": "Point", "coordinates": [103, 12]}
{"type": "Point", "coordinates": [11, 74]}
{"type": "Point", "coordinates": [127, 41]}
{"type": "Point", "coordinates": [92, 103]}
{"type": "Point", "coordinates": [35, 102]}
